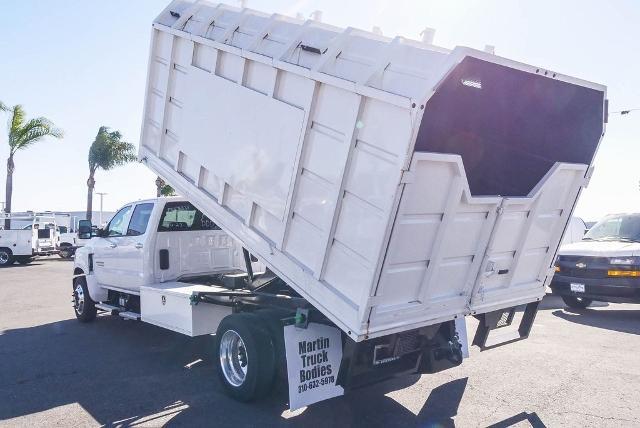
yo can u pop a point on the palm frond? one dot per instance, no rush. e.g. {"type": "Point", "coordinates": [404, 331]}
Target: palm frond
{"type": "Point", "coordinates": [33, 131]}
{"type": "Point", "coordinates": [3, 107]}
{"type": "Point", "coordinates": [108, 150]}
{"type": "Point", "coordinates": [22, 135]}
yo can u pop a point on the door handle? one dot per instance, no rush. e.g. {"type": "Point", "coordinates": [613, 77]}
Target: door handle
{"type": "Point", "coordinates": [138, 245]}
{"type": "Point", "coordinates": [112, 245]}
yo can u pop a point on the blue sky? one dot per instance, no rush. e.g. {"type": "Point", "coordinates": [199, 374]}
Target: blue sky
{"type": "Point", "coordinates": [83, 65]}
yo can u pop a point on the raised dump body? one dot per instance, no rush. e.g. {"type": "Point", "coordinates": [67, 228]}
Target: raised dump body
{"type": "Point", "coordinates": [392, 184]}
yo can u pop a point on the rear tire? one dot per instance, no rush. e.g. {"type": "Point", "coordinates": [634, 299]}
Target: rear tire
{"type": "Point", "coordinates": [245, 356]}
{"type": "Point", "coordinates": [6, 257]}
{"type": "Point", "coordinates": [65, 253]}
{"type": "Point", "coordinates": [83, 306]}
{"type": "Point", "coordinates": [576, 302]}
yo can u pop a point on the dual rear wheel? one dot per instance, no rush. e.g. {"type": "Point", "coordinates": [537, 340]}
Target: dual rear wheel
{"type": "Point", "coordinates": [245, 353]}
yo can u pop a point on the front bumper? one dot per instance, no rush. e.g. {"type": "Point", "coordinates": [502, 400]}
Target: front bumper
{"type": "Point", "coordinates": [614, 290]}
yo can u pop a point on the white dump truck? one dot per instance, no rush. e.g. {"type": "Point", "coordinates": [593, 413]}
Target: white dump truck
{"type": "Point", "coordinates": [390, 187]}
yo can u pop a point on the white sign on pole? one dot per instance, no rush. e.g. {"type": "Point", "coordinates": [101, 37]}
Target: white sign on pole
{"type": "Point", "coordinates": [313, 360]}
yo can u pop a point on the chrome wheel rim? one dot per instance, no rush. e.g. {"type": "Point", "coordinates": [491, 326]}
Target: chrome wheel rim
{"type": "Point", "coordinates": [4, 257]}
{"type": "Point", "coordinates": [78, 299]}
{"type": "Point", "coordinates": [233, 358]}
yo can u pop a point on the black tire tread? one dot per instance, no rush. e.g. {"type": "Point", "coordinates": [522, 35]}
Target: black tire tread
{"type": "Point", "coordinates": [576, 303]}
{"type": "Point", "coordinates": [257, 339]}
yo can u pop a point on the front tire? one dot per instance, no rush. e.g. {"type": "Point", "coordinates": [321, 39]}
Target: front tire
{"type": "Point", "coordinates": [576, 302]}
{"type": "Point", "coordinates": [246, 358]}
{"type": "Point", "coordinates": [84, 307]}
{"type": "Point", "coordinates": [6, 257]}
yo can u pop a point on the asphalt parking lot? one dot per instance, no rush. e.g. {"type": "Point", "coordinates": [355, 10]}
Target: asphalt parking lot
{"type": "Point", "coordinates": [578, 368]}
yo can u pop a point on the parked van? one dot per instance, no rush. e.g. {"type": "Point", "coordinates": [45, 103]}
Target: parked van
{"type": "Point", "coordinates": [603, 266]}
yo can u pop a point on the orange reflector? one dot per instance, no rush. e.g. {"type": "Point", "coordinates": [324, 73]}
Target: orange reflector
{"type": "Point", "coordinates": [557, 268]}
{"type": "Point", "coordinates": [623, 273]}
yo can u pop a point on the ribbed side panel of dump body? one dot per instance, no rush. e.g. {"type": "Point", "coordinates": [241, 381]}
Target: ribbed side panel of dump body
{"type": "Point", "coordinates": [298, 138]}
{"type": "Point", "coordinates": [258, 121]}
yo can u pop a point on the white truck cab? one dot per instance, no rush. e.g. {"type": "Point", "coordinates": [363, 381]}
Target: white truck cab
{"type": "Point", "coordinates": [154, 241]}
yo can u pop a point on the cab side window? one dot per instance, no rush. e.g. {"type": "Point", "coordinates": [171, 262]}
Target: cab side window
{"type": "Point", "coordinates": [117, 225]}
{"type": "Point", "coordinates": [183, 216]}
{"type": "Point", "coordinates": [139, 219]}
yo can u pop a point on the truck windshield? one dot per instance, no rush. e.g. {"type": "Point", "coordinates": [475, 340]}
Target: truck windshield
{"type": "Point", "coordinates": [624, 228]}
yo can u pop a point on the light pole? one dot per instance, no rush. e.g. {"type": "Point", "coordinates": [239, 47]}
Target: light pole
{"type": "Point", "coordinates": [101, 195]}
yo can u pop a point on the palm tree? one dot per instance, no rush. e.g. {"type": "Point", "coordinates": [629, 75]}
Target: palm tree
{"type": "Point", "coordinates": [163, 189]}
{"type": "Point", "coordinates": [22, 134]}
{"type": "Point", "coordinates": [106, 152]}
{"type": "Point", "coordinates": [3, 107]}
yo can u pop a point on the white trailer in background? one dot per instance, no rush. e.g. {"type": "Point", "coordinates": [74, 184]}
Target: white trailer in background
{"type": "Point", "coordinates": [394, 187]}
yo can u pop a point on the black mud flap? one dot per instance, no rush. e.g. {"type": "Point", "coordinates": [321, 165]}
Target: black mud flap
{"type": "Point", "coordinates": [502, 318]}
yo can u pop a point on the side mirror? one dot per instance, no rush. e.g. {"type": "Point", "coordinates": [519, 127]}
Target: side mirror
{"type": "Point", "coordinates": [84, 229]}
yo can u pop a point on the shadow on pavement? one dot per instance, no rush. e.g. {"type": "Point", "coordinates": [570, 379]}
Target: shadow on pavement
{"type": "Point", "coordinates": [625, 321]}
{"type": "Point", "coordinates": [551, 301]}
{"type": "Point", "coordinates": [532, 418]}
{"type": "Point", "coordinates": [127, 373]}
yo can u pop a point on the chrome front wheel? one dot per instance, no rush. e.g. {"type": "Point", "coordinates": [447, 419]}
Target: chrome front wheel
{"type": "Point", "coordinates": [84, 307]}
{"type": "Point", "coordinates": [78, 299]}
